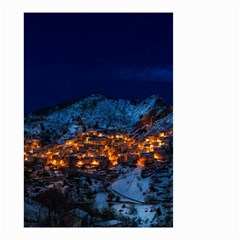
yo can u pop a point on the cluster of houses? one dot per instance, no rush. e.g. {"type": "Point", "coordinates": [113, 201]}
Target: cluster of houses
{"type": "Point", "coordinates": [95, 150]}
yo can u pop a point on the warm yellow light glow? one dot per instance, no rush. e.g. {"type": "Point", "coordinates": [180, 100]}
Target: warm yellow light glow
{"type": "Point", "coordinates": [110, 146]}
{"type": "Point", "coordinates": [94, 162]}
{"type": "Point", "coordinates": [80, 163]}
{"type": "Point", "coordinates": [69, 142]}
{"type": "Point", "coordinates": [139, 164]}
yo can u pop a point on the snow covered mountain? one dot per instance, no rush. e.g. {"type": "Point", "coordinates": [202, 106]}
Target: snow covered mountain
{"type": "Point", "coordinates": [95, 111]}
{"type": "Point", "coordinates": [132, 184]}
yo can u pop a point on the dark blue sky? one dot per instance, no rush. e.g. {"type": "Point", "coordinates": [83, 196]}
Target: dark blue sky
{"type": "Point", "coordinates": [121, 55]}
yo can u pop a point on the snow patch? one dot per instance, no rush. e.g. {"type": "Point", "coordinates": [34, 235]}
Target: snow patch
{"type": "Point", "coordinates": [132, 185]}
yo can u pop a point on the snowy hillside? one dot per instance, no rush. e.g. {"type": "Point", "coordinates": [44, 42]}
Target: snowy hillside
{"type": "Point", "coordinates": [99, 162]}
{"type": "Point", "coordinates": [95, 112]}
{"type": "Point", "coordinates": [132, 185]}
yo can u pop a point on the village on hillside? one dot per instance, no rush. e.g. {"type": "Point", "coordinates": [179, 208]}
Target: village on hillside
{"type": "Point", "coordinates": [99, 179]}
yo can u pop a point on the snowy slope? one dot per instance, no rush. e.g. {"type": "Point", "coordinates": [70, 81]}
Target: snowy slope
{"type": "Point", "coordinates": [93, 112]}
{"type": "Point", "coordinates": [132, 185]}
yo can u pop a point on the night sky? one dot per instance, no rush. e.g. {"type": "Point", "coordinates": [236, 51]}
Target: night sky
{"type": "Point", "coordinates": [121, 55]}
